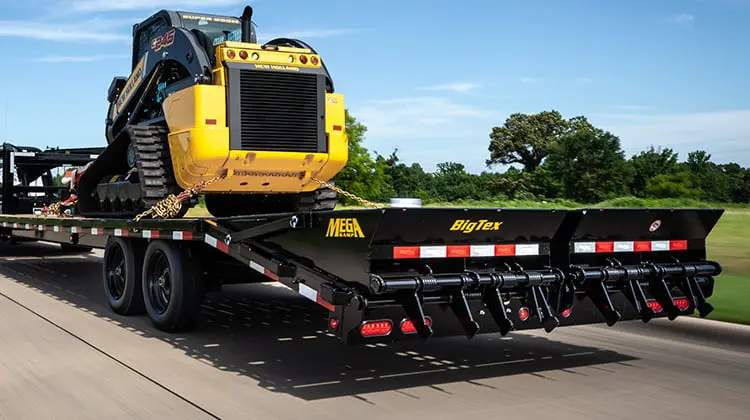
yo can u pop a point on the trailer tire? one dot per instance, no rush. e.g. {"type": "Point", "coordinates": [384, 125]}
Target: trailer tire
{"type": "Point", "coordinates": [171, 286]}
{"type": "Point", "coordinates": [123, 290]}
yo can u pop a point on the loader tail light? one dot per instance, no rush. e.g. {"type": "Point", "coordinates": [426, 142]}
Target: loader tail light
{"type": "Point", "coordinates": [682, 303]}
{"type": "Point", "coordinates": [523, 314]}
{"type": "Point", "coordinates": [303, 59]}
{"type": "Point", "coordinates": [407, 326]}
{"type": "Point", "coordinates": [243, 55]}
{"type": "Point", "coordinates": [231, 54]}
{"type": "Point", "coordinates": [376, 328]}
{"type": "Point", "coordinates": [314, 60]}
{"type": "Point", "coordinates": [654, 305]}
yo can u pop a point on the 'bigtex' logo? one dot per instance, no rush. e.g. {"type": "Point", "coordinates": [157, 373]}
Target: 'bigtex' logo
{"type": "Point", "coordinates": [467, 226]}
{"type": "Point", "coordinates": [344, 228]}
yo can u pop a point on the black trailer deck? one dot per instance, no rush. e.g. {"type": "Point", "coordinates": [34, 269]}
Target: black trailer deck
{"type": "Point", "coordinates": [409, 273]}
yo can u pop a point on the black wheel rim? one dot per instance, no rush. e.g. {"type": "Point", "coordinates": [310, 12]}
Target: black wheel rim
{"type": "Point", "coordinates": [159, 282]}
{"type": "Point", "coordinates": [116, 272]}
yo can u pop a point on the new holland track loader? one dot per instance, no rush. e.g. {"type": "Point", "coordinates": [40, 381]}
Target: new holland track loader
{"type": "Point", "coordinates": [206, 100]}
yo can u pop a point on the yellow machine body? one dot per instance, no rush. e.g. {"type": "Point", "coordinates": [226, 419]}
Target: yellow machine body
{"type": "Point", "coordinates": [199, 138]}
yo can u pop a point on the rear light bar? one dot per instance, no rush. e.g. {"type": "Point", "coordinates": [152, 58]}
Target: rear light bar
{"type": "Point", "coordinates": [465, 251]}
{"type": "Point", "coordinates": [629, 246]}
{"type": "Point", "coordinates": [681, 303]}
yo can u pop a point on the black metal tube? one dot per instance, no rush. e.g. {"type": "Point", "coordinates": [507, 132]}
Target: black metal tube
{"type": "Point", "coordinates": [246, 23]}
{"type": "Point", "coordinates": [616, 274]}
{"type": "Point", "coordinates": [503, 281]}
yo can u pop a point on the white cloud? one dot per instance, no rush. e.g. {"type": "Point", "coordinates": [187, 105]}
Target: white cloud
{"type": "Point", "coordinates": [59, 32]}
{"type": "Point", "coordinates": [528, 80]}
{"type": "Point", "coordinates": [683, 19]}
{"type": "Point", "coordinates": [458, 87]}
{"type": "Point", "coordinates": [428, 129]}
{"type": "Point", "coordinates": [723, 134]}
{"type": "Point", "coordinates": [75, 59]}
{"type": "Point", "coordinates": [121, 5]}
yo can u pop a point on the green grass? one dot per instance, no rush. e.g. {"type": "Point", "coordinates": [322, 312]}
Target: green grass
{"type": "Point", "coordinates": [728, 243]}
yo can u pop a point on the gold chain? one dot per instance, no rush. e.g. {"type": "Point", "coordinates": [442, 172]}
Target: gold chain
{"type": "Point", "coordinates": [171, 205]}
{"type": "Point", "coordinates": [57, 208]}
{"type": "Point", "coordinates": [346, 193]}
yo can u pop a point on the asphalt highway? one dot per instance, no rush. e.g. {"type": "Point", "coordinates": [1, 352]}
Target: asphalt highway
{"type": "Point", "coordinates": [260, 353]}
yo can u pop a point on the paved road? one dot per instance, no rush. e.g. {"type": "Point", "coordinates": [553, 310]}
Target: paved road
{"type": "Point", "coordinates": [260, 354]}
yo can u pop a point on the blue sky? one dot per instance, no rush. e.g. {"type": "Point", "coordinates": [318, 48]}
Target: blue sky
{"type": "Point", "coordinates": [428, 77]}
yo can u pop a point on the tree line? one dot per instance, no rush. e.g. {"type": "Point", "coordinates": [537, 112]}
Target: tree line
{"type": "Point", "coordinates": [550, 157]}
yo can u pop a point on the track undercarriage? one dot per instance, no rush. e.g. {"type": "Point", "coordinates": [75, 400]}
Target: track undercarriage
{"type": "Point", "coordinates": [146, 177]}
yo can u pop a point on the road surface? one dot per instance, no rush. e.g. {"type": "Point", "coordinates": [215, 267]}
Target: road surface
{"type": "Point", "coordinates": [261, 354]}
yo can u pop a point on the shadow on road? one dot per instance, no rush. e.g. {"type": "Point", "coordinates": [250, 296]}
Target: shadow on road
{"type": "Point", "coordinates": [277, 337]}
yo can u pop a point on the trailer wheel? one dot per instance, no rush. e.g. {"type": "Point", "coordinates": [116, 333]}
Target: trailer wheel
{"type": "Point", "coordinates": [171, 286]}
{"type": "Point", "coordinates": [122, 269]}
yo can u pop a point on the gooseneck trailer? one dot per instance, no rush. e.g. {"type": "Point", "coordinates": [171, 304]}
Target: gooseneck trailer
{"type": "Point", "coordinates": [408, 273]}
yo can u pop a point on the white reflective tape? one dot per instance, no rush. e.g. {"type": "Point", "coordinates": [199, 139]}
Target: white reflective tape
{"type": "Point", "coordinates": [482, 250]}
{"type": "Point", "coordinates": [28, 226]}
{"type": "Point", "coordinates": [94, 231]}
{"type": "Point", "coordinates": [40, 227]}
{"type": "Point", "coordinates": [527, 249]}
{"type": "Point", "coordinates": [27, 154]}
{"type": "Point", "coordinates": [624, 246]}
{"type": "Point", "coordinates": [210, 240]}
{"type": "Point", "coordinates": [118, 232]}
{"type": "Point", "coordinates": [584, 247]}
{"type": "Point", "coordinates": [660, 245]}
{"type": "Point", "coordinates": [57, 228]}
{"type": "Point", "coordinates": [177, 236]}
{"type": "Point", "coordinates": [257, 267]}
{"type": "Point", "coordinates": [308, 292]}
{"type": "Point", "coordinates": [93, 156]}
{"type": "Point", "coordinates": [146, 234]}
{"type": "Point", "coordinates": [433, 251]}
{"type": "Point", "coordinates": [74, 229]}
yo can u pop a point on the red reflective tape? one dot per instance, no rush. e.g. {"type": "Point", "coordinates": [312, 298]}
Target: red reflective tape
{"type": "Point", "coordinates": [505, 250]}
{"type": "Point", "coordinates": [678, 245]}
{"type": "Point", "coordinates": [642, 246]}
{"type": "Point", "coordinates": [187, 236]}
{"type": "Point", "coordinates": [270, 275]}
{"type": "Point", "coordinates": [401, 252]}
{"type": "Point", "coordinates": [319, 300]}
{"type": "Point", "coordinates": [337, 128]}
{"type": "Point", "coordinates": [459, 251]}
{"type": "Point", "coordinates": [605, 247]}
{"type": "Point", "coordinates": [222, 246]}
{"type": "Point", "coordinates": [210, 122]}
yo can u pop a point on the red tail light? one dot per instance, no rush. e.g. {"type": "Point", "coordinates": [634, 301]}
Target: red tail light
{"type": "Point", "coordinates": [314, 60]}
{"type": "Point", "coordinates": [243, 55]}
{"type": "Point", "coordinates": [654, 305]}
{"type": "Point", "coordinates": [407, 327]}
{"type": "Point", "coordinates": [376, 328]}
{"type": "Point", "coordinates": [333, 323]}
{"type": "Point", "coordinates": [566, 313]}
{"type": "Point", "coordinates": [303, 59]}
{"type": "Point", "coordinates": [230, 53]}
{"type": "Point", "coordinates": [523, 314]}
{"type": "Point", "coordinates": [682, 303]}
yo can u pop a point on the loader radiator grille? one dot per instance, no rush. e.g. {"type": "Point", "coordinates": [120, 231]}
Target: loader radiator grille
{"type": "Point", "coordinates": [276, 111]}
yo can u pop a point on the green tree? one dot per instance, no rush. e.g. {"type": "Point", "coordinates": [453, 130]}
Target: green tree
{"type": "Point", "coordinates": [651, 163]}
{"type": "Point", "coordinates": [590, 166]}
{"type": "Point", "coordinates": [362, 175]}
{"type": "Point", "coordinates": [677, 185]}
{"type": "Point", "coordinates": [526, 138]}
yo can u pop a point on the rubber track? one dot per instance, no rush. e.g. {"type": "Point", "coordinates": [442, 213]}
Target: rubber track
{"type": "Point", "coordinates": [154, 162]}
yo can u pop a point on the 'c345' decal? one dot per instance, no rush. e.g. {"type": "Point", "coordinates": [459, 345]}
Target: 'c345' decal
{"type": "Point", "coordinates": [344, 228]}
{"type": "Point", "coordinates": [467, 226]}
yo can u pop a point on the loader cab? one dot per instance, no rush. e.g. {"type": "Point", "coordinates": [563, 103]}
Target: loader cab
{"type": "Point", "coordinates": [209, 30]}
